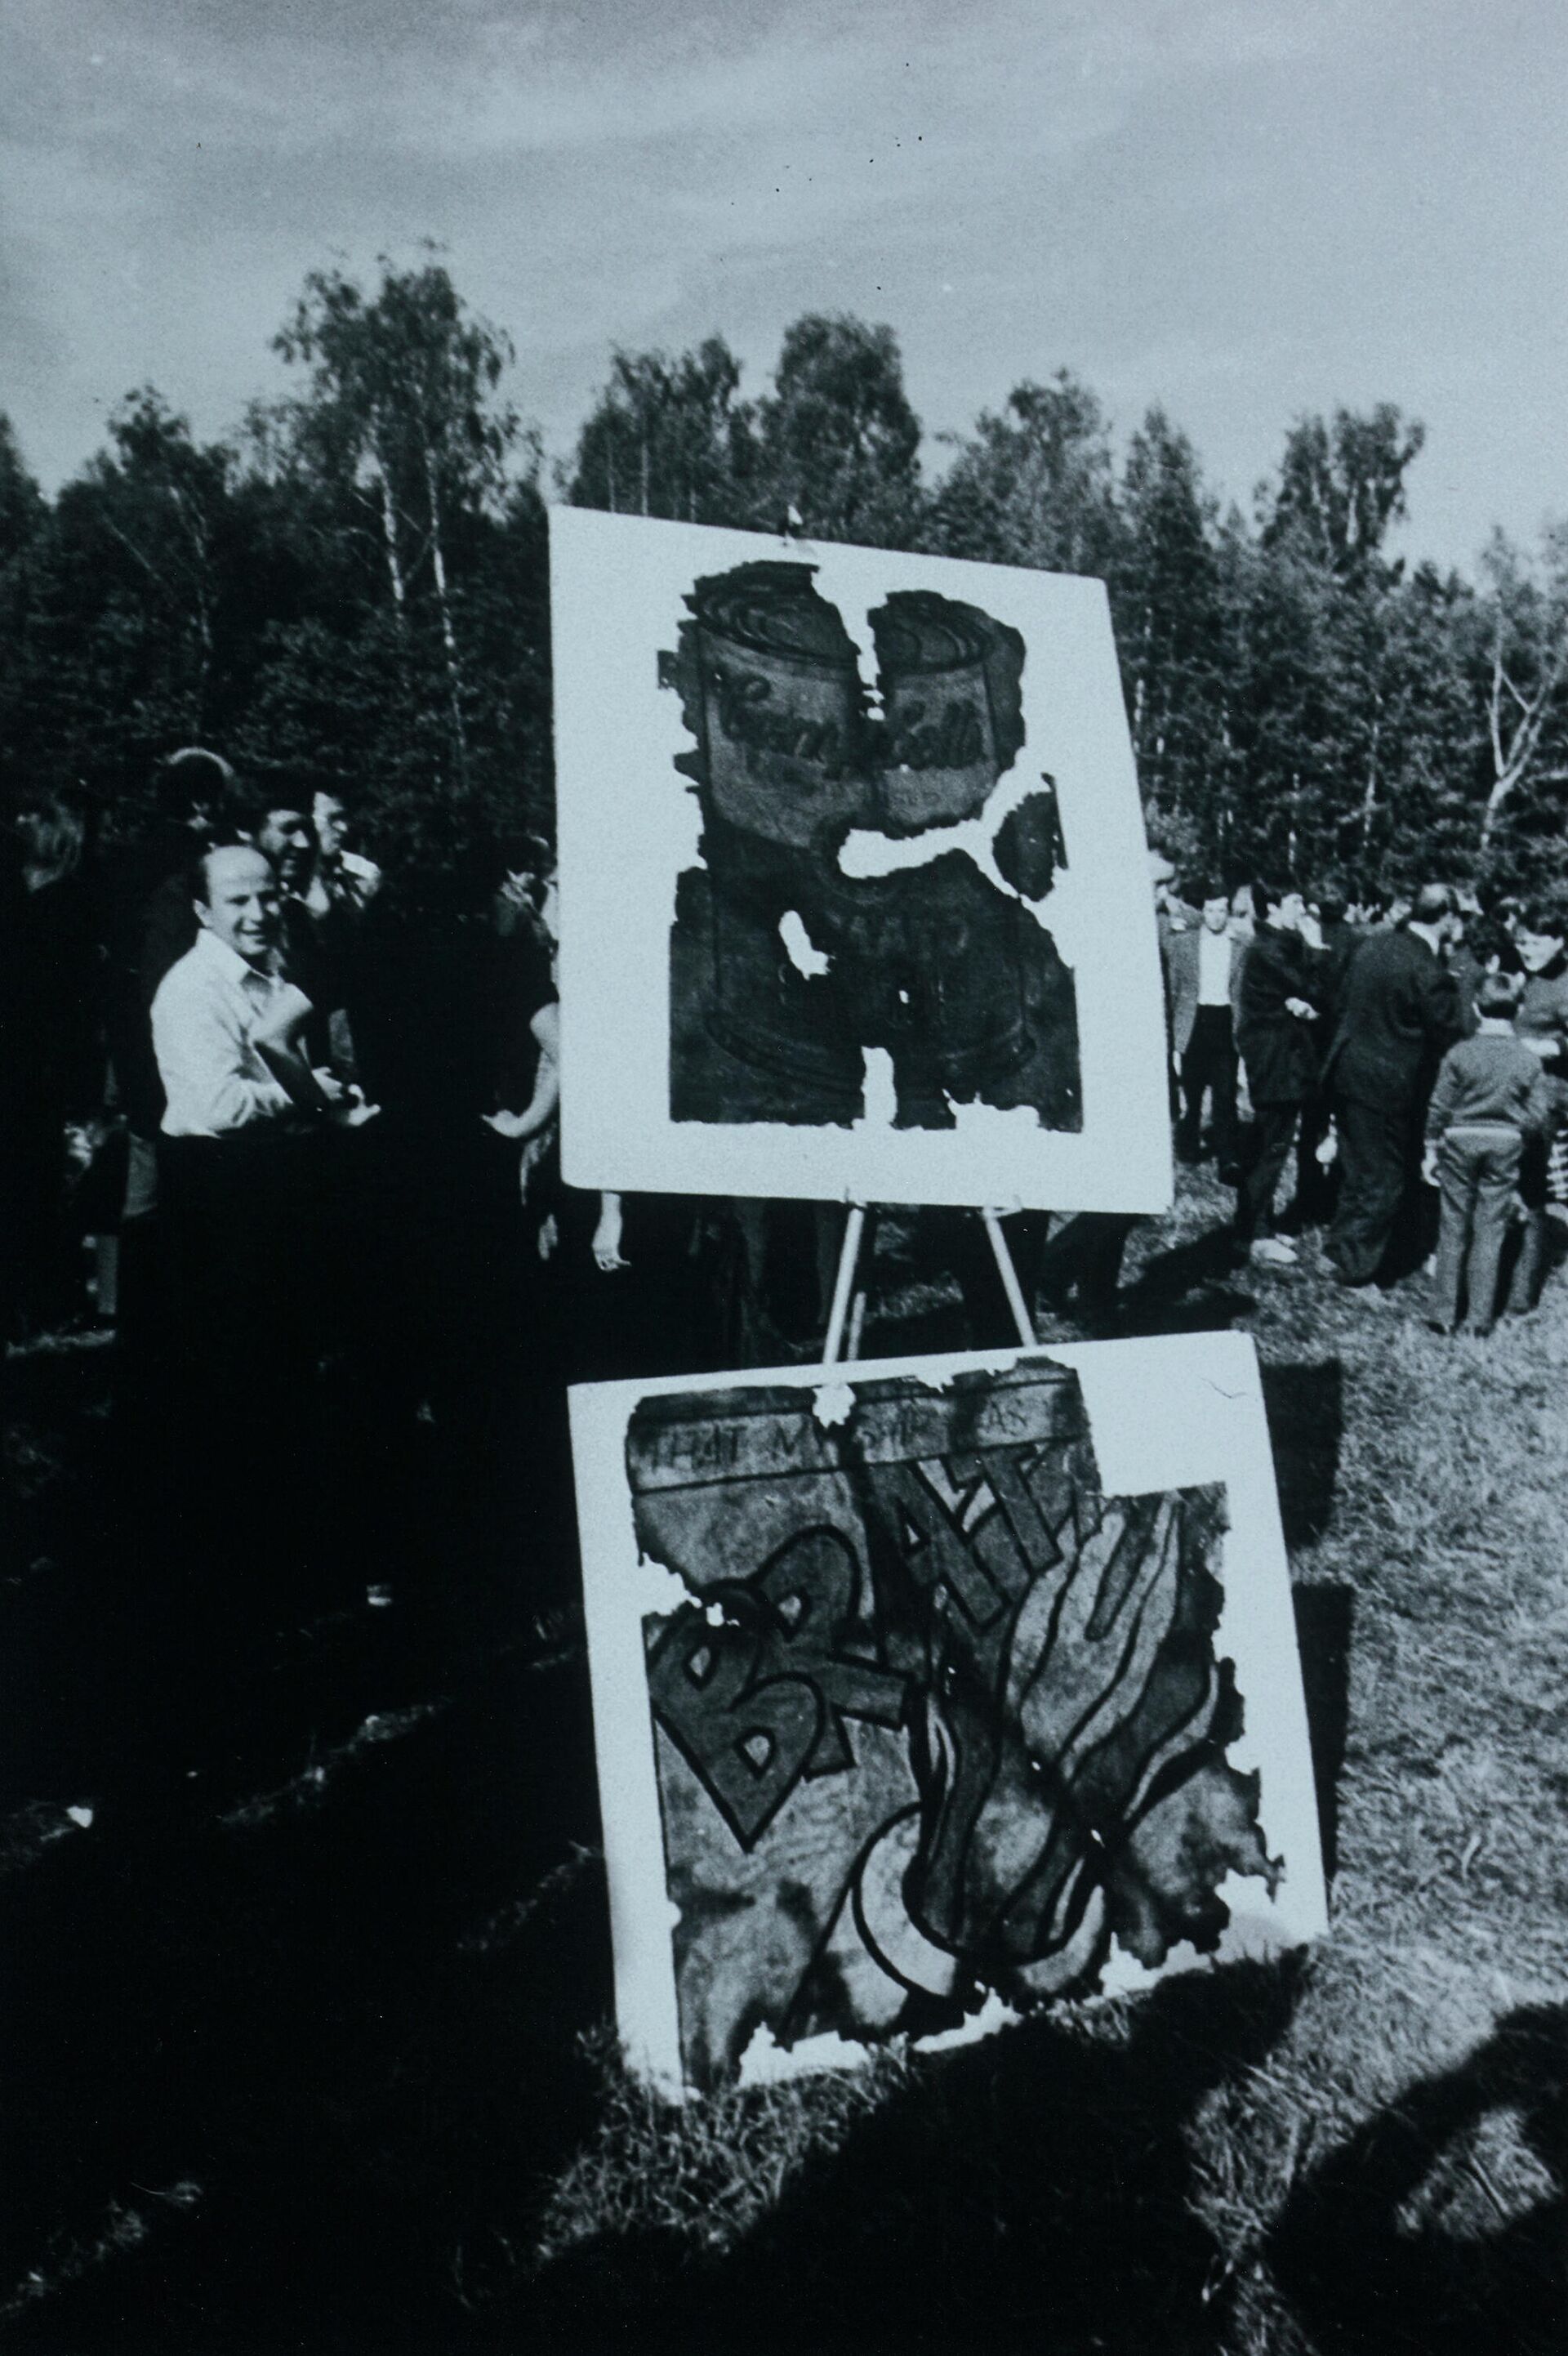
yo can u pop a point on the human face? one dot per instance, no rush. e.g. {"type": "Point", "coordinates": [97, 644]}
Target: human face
{"type": "Point", "coordinates": [327, 816]}
{"type": "Point", "coordinates": [1290, 912]}
{"type": "Point", "coordinates": [289, 842]}
{"type": "Point", "coordinates": [1217, 913]}
{"type": "Point", "coordinates": [1538, 950]}
{"type": "Point", "coordinates": [243, 905]}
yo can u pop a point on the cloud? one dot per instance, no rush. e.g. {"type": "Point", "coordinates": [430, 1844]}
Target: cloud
{"type": "Point", "coordinates": [1206, 201]}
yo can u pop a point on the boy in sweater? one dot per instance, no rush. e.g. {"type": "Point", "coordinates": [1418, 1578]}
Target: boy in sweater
{"type": "Point", "coordinates": [1490, 1098]}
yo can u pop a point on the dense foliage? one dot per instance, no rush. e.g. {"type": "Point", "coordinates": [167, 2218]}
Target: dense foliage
{"type": "Point", "coordinates": [353, 589]}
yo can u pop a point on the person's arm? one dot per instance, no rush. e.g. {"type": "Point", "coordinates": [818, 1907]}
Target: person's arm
{"type": "Point", "coordinates": [1442, 1102]}
{"type": "Point", "coordinates": [1538, 1107]}
{"type": "Point", "coordinates": [201, 1061]}
{"type": "Point", "coordinates": [607, 1235]}
{"type": "Point", "coordinates": [1303, 990]}
{"type": "Point", "coordinates": [541, 1106]}
{"type": "Point", "coordinates": [1437, 1006]}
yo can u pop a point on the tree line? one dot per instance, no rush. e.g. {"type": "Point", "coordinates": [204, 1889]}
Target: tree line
{"type": "Point", "coordinates": [351, 590]}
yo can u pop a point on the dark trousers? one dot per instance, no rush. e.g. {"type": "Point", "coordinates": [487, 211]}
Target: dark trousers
{"type": "Point", "coordinates": [1529, 1260]}
{"type": "Point", "coordinates": [1273, 1126]}
{"type": "Point", "coordinates": [1315, 1187]}
{"type": "Point", "coordinates": [1378, 1160]}
{"type": "Point", "coordinates": [1209, 1067]}
{"type": "Point", "coordinates": [1477, 1173]}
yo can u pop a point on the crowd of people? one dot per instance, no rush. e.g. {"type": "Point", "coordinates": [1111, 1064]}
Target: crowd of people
{"type": "Point", "coordinates": [1414, 1055]}
{"type": "Point", "coordinates": [307, 1106]}
{"type": "Point", "coordinates": [285, 1115]}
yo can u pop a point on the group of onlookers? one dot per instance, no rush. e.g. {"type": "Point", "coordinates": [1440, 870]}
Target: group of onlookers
{"type": "Point", "coordinates": [1424, 1044]}
{"type": "Point", "coordinates": [319, 1069]}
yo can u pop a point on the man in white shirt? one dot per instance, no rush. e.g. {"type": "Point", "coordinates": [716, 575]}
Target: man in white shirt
{"type": "Point", "coordinates": [249, 1185]}
{"type": "Point", "coordinates": [1203, 963]}
{"type": "Point", "coordinates": [242, 1178]}
{"type": "Point", "coordinates": [224, 1022]}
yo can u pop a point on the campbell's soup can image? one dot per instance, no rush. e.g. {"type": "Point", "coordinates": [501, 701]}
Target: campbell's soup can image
{"type": "Point", "coordinates": [952, 709]}
{"type": "Point", "coordinates": [772, 693]}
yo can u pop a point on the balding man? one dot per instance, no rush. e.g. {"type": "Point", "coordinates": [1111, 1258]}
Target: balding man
{"type": "Point", "coordinates": [241, 1179]}
{"type": "Point", "coordinates": [223, 1019]}
{"type": "Point", "coordinates": [246, 1183]}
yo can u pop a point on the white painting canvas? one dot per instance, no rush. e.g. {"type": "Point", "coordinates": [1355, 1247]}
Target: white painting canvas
{"type": "Point", "coordinates": [854, 896]}
{"type": "Point", "coordinates": [929, 1692]}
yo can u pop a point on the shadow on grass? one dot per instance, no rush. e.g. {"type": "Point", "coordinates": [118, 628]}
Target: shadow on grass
{"type": "Point", "coordinates": [292, 2084]}
{"type": "Point", "coordinates": [1362, 2250]}
{"type": "Point", "coordinates": [1032, 2192]}
{"type": "Point", "coordinates": [1190, 1289]}
{"type": "Point", "coordinates": [1304, 1405]}
{"type": "Point", "coordinates": [1325, 1618]}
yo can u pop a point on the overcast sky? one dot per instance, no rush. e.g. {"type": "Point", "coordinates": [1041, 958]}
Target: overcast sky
{"type": "Point", "coordinates": [1241, 209]}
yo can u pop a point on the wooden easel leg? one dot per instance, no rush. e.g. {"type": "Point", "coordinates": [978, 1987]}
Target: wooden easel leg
{"type": "Point", "coordinates": [1010, 1277]}
{"type": "Point", "coordinates": [854, 1228]}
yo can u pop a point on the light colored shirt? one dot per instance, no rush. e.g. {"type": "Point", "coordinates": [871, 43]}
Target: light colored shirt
{"type": "Point", "coordinates": [1213, 968]}
{"type": "Point", "coordinates": [205, 1014]}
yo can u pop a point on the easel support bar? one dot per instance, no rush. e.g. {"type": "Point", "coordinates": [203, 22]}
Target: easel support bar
{"type": "Point", "coordinates": [1010, 1277]}
{"type": "Point", "coordinates": [833, 1346]}
{"type": "Point", "coordinates": [844, 1284]}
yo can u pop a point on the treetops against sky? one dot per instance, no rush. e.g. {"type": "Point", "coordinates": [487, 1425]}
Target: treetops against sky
{"type": "Point", "coordinates": [352, 589]}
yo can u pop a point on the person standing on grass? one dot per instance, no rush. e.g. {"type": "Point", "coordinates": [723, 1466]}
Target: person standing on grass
{"type": "Point", "coordinates": [1541, 1025]}
{"type": "Point", "coordinates": [1313, 1204]}
{"type": "Point", "coordinates": [1490, 1104]}
{"type": "Point", "coordinates": [1398, 1015]}
{"type": "Point", "coordinates": [1278, 988]}
{"type": "Point", "coordinates": [241, 1096]}
{"type": "Point", "coordinates": [1202, 973]}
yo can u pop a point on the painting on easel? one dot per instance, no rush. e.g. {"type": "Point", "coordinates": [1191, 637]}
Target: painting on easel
{"type": "Point", "coordinates": [925, 1698]}
{"type": "Point", "coordinates": [854, 897]}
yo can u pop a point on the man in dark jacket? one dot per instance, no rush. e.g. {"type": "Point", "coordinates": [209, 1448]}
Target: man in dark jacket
{"type": "Point", "coordinates": [1274, 1030]}
{"type": "Point", "coordinates": [1314, 1202]}
{"type": "Point", "coordinates": [1398, 1014]}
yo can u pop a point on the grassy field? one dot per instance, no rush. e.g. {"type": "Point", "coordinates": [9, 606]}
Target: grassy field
{"type": "Point", "coordinates": [1367, 2152]}
{"type": "Point", "coordinates": [326, 2063]}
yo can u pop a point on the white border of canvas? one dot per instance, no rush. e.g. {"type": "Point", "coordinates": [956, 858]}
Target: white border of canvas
{"type": "Point", "coordinates": [1165, 1413]}
{"type": "Point", "coordinates": [628, 824]}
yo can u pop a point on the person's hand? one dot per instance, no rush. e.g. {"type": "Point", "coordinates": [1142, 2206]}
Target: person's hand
{"type": "Point", "coordinates": [1302, 1008]}
{"type": "Point", "coordinates": [607, 1235]}
{"type": "Point", "coordinates": [351, 1111]}
{"type": "Point", "coordinates": [1176, 1060]}
{"type": "Point", "coordinates": [83, 1142]}
{"type": "Point", "coordinates": [1429, 1166]}
{"type": "Point", "coordinates": [509, 1124]}
{"type": "Point", "coordinates": [1310, 928]}
{"type": "Point", "coordinates": [331, 1087]}
{"type": "Point", "coordinates": [550, 1237]}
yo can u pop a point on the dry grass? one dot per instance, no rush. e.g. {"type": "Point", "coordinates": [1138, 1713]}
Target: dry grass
{"type": "Point", "coordinates": [1409, 2111]}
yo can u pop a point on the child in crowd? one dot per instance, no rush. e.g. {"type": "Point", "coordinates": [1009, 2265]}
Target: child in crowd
{"type": "Point", "coordinates": [1490, 1101]}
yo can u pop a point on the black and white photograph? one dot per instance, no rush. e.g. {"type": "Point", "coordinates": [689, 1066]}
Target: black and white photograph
{"type": "Point", "coordinates": [863, 931]}
{"type": "Point", "coordinates": [783, 1178]}
{"type": "Point", "coordinates": [938, 1730]}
